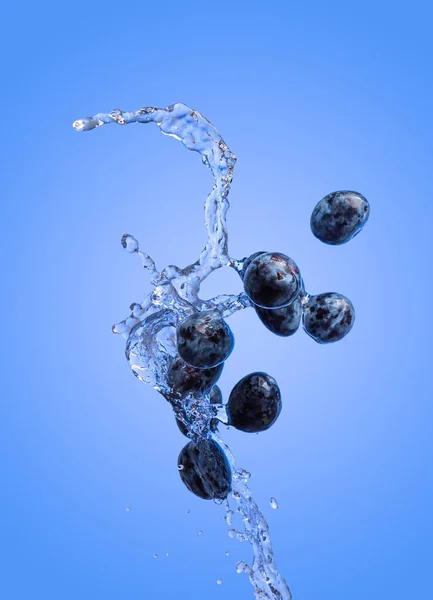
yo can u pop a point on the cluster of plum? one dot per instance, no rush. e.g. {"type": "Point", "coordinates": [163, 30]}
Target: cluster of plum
{"type": "Point", "coordinates": [273, 283]}
{"type": "Point", "coordinates": [204, 342]}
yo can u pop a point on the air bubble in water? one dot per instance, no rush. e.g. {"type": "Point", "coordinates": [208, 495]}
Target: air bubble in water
{"type": "Point", "coordinates": [273, 502]}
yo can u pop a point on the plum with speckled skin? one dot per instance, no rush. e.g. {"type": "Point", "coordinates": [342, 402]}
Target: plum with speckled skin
{"type": "Point", "coordinates": [216, 397]}
{"type": "Point", "coordinates": [246, 262]}
{"type": "Point", "coordinates": [204, 340]}
{"type": "Point", "coordinates": [184, 379]}
{"type": "Point", "coordinates": [339, 216]}
{"type": "Point", "coordinates": [205, 470]}
{"type": "Point", "coordinates": [272, 280]}
{"type": "Point", "coordinates": [328, 317]}
{"type": "Point", "coordinates": [254, 403]}
{"type": "Point", "coordinates": [282, 321]}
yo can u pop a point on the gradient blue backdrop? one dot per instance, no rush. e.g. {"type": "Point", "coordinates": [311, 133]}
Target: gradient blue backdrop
{"type": "Point", "coordinates": [312, 97]}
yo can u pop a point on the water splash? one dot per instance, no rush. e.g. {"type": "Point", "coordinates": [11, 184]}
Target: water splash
{"type": "Point", "coordinates": [150, 327]}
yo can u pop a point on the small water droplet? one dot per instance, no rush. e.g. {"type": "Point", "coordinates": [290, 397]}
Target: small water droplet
{"type": "Point", "coordinates": [155, 555]}
{"type": "Point", "coordinates": [232, 533]}
{"type": "Point", "coordinates": [120, 328]}
{"type": "Point", "coordinates": [188, 512]}
{"type": "Point", "coordinates": [180, 467]}
{"type": "Point", "coordinates": [200, 532]}
{"type": "Point", "coordinates": [236, 496]}
{"type": "Point", "coordinates": [273, 502]}
{"type": "Point", "coordinates": [227, 553]}
{"type": "Point", "coordinates": [243, 475]}
{"type": "Point", "coordinates": [220, 581]}
{"type": "Point", "coordinates": [167, 553]}
{"type": "Point", "coordinates": [128, 509]}
{"type": "Point", "coordinates": [129, 243]}
{"type": "Point", "coordinates": [241, 567]}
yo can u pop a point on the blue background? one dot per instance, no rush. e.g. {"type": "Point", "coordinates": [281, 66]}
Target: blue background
{"type": "Point", "coordinates": [312, 97]}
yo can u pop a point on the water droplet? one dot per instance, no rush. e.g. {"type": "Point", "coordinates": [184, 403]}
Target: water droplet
{"type": "Point", "coordinates": [129, 243]}
{"type": "Point", "coordinates": [120, 328]}
{"type": "Point", "coordinates": [232, 533]}
{"type": "Point", "coordinates": [188, 512]}
{"type": "Point", "coordinates": [180, 467]}
{"type": "Point", "coordinates": [236, 496]}
{"type": "Point", "coordinates": [79, 125]}
{"type": "Point", "coordinates": [167, 553]}
{"type": "Point", "coordinates": [273, 502]}
{"type": "Point", "coordinates": [148, 262]}
{"type": "Point", "coordinates": [241, 567]}
{"type": "Point", "coordinates": [155, 555]}
{"type": "Point", "coordinates": [220, 581]}
{"type": "Point", "coordinates": [227, 553]}
{"type": "Point", "coordinates": [128, 509]}
{"type": "Point", "coordinates": [200, 532]}
{"type": "Point", "coordinates": [244, 475]}
{"type": "Point", "coordinates": [228, 517]}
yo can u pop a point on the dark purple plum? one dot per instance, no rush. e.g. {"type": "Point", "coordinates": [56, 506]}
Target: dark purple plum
{"type": "Point", "coordinates": [184, 379]}
{"type": "Point", "coordinates": [282, 321]}
{"type": "Point", "coordinates": [339, 216]}
{"type": "Point", "coordinates": [254, 403]}
{"type": "Point", "coordinates": [272, 280]}
{"type": "Point", "coordinates": [328, 317]}
{"type": "Point", "coordinates": [216, 397]}
{"type": "Point", "coordinates": [246, 262]}
{"type": "Point", "coordinates": [205, 470]}
{"type": "Point", "coordinates": [204, 340]}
